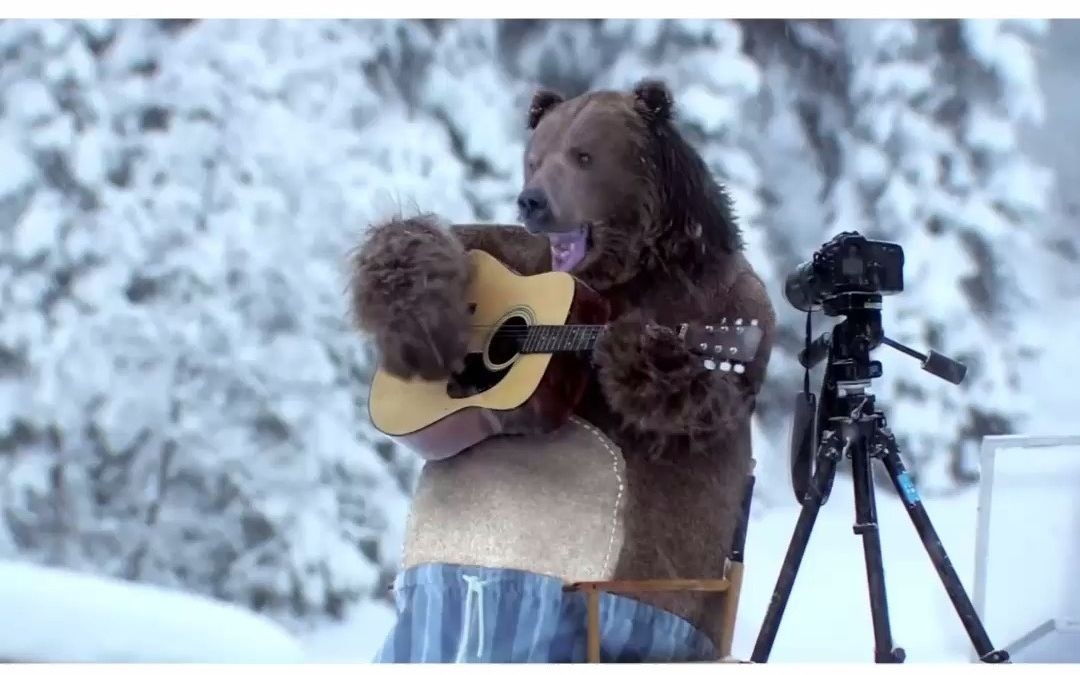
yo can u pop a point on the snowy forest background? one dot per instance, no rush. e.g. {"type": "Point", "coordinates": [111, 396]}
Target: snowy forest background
{"type": "Point", "coordinates": [182, 401]}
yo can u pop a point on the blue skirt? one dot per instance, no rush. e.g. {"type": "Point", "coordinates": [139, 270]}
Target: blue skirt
{"type": "Point", "coordinates": [464, 614]}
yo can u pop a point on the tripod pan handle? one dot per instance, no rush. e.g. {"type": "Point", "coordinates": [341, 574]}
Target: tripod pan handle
{"type": "Point", "coordinates": [947, 369]}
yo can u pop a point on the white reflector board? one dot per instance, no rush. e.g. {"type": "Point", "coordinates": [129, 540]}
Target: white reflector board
{"type": "Point", "coordinates": [1027, 547]}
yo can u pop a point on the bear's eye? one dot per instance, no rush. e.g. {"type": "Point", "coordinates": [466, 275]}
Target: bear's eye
{"type": "Point", "coordinates": [583, 158]}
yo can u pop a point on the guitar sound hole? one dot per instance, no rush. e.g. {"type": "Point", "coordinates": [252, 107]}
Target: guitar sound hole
{"type": "Point", "coordinates": [506, 343]}
{"type": "Point", "coordinates": [476, 377]}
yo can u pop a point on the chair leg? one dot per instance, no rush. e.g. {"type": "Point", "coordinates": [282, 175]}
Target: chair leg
{"type": "Point", "coordinates": [730, 607]}
{"type": "Point", "coordinates": [594, 625]}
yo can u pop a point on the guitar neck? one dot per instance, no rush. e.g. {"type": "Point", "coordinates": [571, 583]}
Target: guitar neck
{"type": "Point", "coordinates": [723, 345]}
{"type": "Point", "coordinates": [564, 338]}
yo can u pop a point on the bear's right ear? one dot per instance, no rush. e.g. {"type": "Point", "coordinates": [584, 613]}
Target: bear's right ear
{"type": "Point", "coordinates": [543, 101]}
{"type": "Point", "coordinates": [653, 100]}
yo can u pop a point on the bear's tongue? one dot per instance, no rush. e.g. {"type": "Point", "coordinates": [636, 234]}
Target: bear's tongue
{"type": "Point", "coordinates": [568, 248]}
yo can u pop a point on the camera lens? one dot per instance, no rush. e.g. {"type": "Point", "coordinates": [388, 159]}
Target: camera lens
{"type": "Point", "coordinates": [799, 287]}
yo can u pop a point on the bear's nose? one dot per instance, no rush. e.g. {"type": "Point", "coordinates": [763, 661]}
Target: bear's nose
{"type": "Point", "coordinates": [533, 204]}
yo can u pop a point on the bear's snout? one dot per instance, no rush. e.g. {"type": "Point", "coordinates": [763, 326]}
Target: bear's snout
{"type": "Point", "coordinates": [535, 210]}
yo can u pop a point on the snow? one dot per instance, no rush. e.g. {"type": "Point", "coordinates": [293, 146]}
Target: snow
{"type": "Point", "coordinates": [17, 170]}
{"type": "Point", "coordinates": [36, 232]}
{"type": "Point", "coordinates": [990, 133]}
{"type": "Point", "coordinates": [1008, 55]}
{"type": "Point", "coordinates": [29, 102]}
{"type": "Point", "coordinates": [712, 112]}
{"type": "Point", "coordinates": [355, 639]}
{"type": "Point", "coordinates": [58, 615]}
{"type": "Point", "coordinates": [89, 161]}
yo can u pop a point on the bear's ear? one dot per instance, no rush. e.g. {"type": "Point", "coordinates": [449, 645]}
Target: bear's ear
{"type": "Point", "coordinates": [543, 101]}
{"type": "Point", "coordinates": [653, 100]}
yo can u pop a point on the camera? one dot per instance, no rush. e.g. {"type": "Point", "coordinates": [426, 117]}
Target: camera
{"type": "Point", "coordinates": [849, 263]}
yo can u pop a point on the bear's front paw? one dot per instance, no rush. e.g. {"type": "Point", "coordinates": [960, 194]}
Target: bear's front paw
{"type": "Point", "coordinates": [644, 370]}
{"type": "Point", "coordinates": [408, 286]}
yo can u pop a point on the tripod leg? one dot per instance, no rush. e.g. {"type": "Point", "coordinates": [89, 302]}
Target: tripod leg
{"type": "Point", "coordinates": [829, 454]}
{"type": "Point", "coordinates": [953, 586]}
{"type": "Point", "coordinates": [866, 526]}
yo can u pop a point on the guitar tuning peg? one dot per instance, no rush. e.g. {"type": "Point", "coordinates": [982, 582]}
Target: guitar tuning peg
{"type": "Point", "coordinates": [740, 368]}
{"type": "Point", "coordinates": [710, 364]}
{"type": "Point", "coordinates": [723, 320]}
{"type": "Point", "coordinates": [708, 329]}
{"type": "Point", "coordinates": [717, 349]}
{"type": "Point", "coordinates": [725, 366]}
{"type": "Point", "coordinates": [704, 346]}
{"type": "Point", "coordinates": [753, 322]}
{"type": "Point", "coordinates": [733, 350]}
{"type": "Point", "coordinates": [738, 322]}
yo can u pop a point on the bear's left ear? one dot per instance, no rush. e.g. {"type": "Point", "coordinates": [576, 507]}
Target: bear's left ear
{"type": "Point", "coordinates": [653, 100]}
{"type": "Point", "coordinates": [543, 101]}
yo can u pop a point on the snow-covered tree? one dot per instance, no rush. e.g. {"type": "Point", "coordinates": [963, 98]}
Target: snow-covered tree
{"type": "Point", "coordinates": [482, 108]}
{"type": "Point", "coordinates": [913, 128]}
{"type": "Point", "coordinates": [935, 165]}
{"type": "Point", "coordinates": [182, 399]}
{"type": "Point", "coordinates": [186, 402]}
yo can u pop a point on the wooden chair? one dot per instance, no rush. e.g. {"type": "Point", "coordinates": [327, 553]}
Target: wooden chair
{"type": "Point", "coordinates": [730, 584]}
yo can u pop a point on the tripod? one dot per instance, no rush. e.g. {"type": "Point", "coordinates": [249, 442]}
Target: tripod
{"type": "Point", "coordinates": [848, 425]}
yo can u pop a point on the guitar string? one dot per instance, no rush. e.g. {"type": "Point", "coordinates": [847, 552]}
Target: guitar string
{"type": "Point", "coordinates": [594, 326]}
{"type": "Point", "coordinates": [574, 331]}
{"type": "Point", "coordinates": [564, 335]}
{"type": "Point", "coordinates": [543, 325]}
{"type": "Point", "coordinates": [577, 327]}
{"type": "Point", "coordinates": [520, 330]}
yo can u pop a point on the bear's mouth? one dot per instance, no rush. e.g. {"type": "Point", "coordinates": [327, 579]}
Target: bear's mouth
{"type": "Point", "coordinates": [568, 249]}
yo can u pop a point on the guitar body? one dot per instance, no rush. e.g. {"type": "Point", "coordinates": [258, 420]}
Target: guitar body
{"type": "Point", "coordinates": [499, 391]}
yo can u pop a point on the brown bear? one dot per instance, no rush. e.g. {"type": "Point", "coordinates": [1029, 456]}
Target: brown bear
{"type": "Point", "coordinates": [616, 196]}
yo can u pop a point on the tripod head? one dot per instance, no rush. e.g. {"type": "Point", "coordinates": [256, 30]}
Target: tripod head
{"type": "Point", "coordinates": [850, 342]}
{"type": "Point", "coordinates": [849, 371]}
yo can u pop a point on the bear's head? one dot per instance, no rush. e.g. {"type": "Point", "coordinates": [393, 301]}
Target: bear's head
{"type": "Point", "coordinates": [617, 189]}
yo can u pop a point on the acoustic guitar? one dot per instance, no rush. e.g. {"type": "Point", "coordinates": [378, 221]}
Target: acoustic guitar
{"type": "Point", "coordinates": [528, 362]}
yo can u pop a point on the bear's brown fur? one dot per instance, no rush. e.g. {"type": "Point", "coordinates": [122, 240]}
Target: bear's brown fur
{"type": "Point", "coordinates": [664, 248]}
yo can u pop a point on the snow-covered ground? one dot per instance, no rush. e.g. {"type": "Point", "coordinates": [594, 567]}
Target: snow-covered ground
{"type": "Point", "coordinates": [827, 619]}
{"type": "Point", "coordinates": [355, 639]}
{"type": "Point", "coordinates": [57, 615]}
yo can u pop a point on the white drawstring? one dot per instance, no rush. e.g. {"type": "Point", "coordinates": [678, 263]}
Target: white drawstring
{"type": "Point", "coordinates": [473, 584]}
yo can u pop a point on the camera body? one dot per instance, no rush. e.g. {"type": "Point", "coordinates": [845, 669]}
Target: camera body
{"type": "Point", "coordinates": [849, 263]}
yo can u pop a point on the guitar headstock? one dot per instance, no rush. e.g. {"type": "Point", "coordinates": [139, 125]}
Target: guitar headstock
{"type": "Point", "coordinates": [728, 345]}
